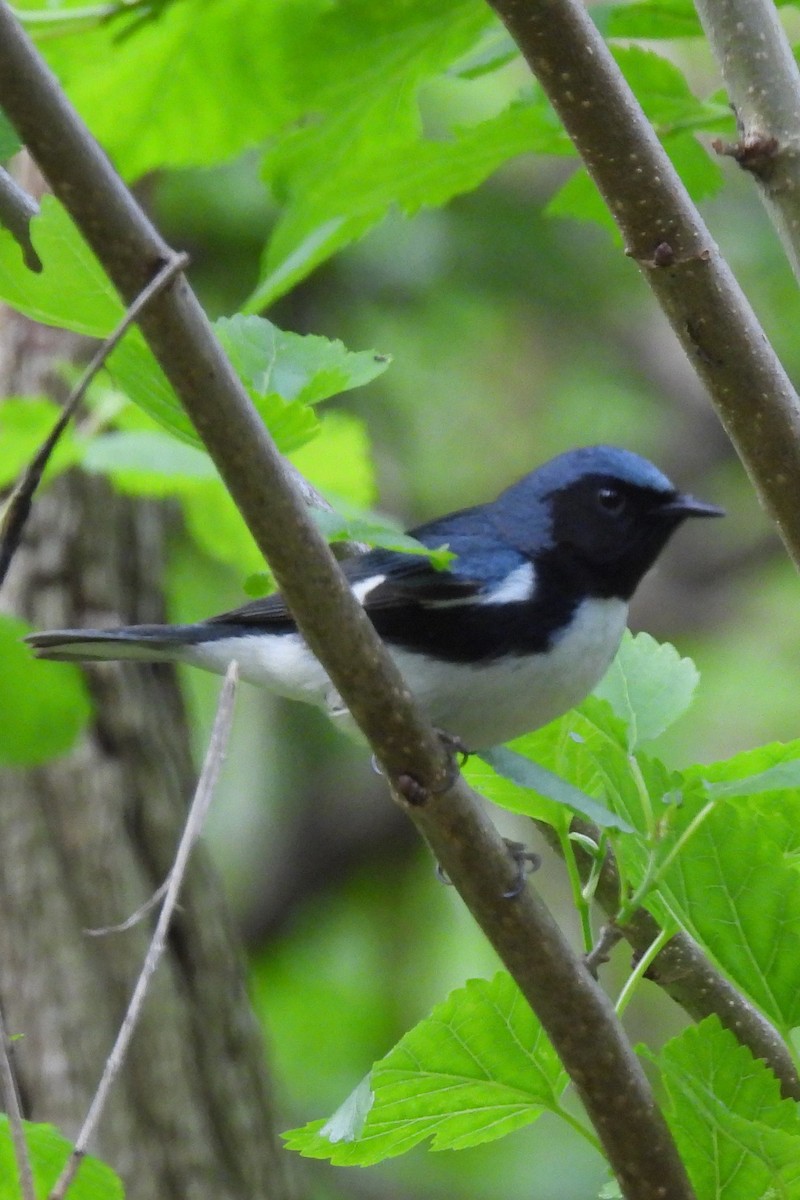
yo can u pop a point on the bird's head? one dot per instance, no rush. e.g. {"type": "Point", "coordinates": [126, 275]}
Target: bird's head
{"type": "Point", "coordinates": [606, 512]}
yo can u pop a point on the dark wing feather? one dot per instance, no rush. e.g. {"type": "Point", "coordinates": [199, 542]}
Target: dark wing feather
{"type": "Point", "coordinates": [407, 580]}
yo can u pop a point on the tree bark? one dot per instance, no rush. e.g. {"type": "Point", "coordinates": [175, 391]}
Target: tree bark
{"type": "Point", "coordinates": [87, 839]}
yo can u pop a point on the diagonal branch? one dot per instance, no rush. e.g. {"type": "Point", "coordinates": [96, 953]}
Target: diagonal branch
{"type": "Point", "coordinates": [763, 82]}
{"type": "Point", "coordinates": [667, 237]}
{"type": "Point", "coordinates": [575, 1012]}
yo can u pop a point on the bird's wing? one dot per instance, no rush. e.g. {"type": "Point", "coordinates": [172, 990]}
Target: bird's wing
{"type": "Point", "coordinates": [380, 579]}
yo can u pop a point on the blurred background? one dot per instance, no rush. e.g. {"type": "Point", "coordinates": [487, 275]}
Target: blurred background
{"type": "Point", "coordinates": [514, 335]}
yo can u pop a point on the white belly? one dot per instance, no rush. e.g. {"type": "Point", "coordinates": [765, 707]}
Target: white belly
{"type": "Point", "coordinates": [484, 705]}
{"type": "Point", "coordinates": [490, 704]}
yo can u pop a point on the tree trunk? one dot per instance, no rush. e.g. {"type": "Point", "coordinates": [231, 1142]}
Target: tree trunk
{"type": "Point", "coordinates": [87, 839]}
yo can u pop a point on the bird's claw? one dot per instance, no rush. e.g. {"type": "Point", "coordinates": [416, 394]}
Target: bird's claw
{"type": "Point", "coordinates": [526, 862]}
{"type": "Point", "coordinates": [416, 793]}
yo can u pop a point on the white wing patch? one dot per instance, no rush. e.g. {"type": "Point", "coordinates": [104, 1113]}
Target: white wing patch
{"type": "Point", "coordinates": [518, 585]}
{"type": "Point", "coordinates": [363, 588]}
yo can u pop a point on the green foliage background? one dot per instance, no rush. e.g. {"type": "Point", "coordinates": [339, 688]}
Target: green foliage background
{"type": "Point", "coordinates": [390, 176]}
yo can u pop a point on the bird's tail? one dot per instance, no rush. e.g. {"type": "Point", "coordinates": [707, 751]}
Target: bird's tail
{"type": "Point", "coordinates": [147, 643]}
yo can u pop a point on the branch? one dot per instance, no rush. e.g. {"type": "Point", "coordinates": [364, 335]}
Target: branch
{"type": "Point", "coordinates": [763, 82]}
{"type": "Point", "coordinates": [10, 1098]}
{"type": "Point", "coordinates": [194, 823]}
{"type": "Point", "coordinates": [682, 970]}
{"type": "Point", "coordinates": [16, 210]}
{"type": "Point", "coordinates": [575, 1012]}
{"type": "Point", "coordinates": [17, 507]}
{"type": "Point", "coordinates": [665, 234]}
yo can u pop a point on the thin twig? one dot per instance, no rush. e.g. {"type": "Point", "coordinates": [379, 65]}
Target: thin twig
{"type": "Point", "coordinates": [17, 209]}
{"type": "Point", "coordinates": [194, 822]}
{"type": "Point", "coordinates": [12, 1107]}
{"type": "Point", "coordinates": [18, 505]}
{"type": "Point", "coordinates": [135, 917]}
{"type": "Point", "coordinates": [600, 952]}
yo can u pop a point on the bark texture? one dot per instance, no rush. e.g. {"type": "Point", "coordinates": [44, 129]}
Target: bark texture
{"type": "Point", "coordinates": [88, 838]}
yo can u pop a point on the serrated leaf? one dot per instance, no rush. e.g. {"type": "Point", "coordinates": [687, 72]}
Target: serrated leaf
{"type": "Point", "coordinates": [737, 1137]}
{"type": "Point", "coordinates": [528, 776]}
{"type": "Point", "coordinates": [735, 891]}
{"type": "Point", "coordinates": [337, 208]}
{"type": "Point", "coordinates": [215, 74]}
{"type": "Point", "coordinates": [478, 1067]}
{"type": "Point", "coordinates": [48, 1152]}
{"type": "Point", "coordinates": [45, 705]}
{"type": "Point", "coordinates": [649, 685]}
{"type": "Point", "coordinates": [287, 373]}
{"type": "Point", "coordinates": [362, 93]}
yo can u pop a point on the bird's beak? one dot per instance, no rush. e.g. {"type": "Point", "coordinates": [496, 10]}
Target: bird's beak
{"type": "Point", "coordinates": [687, 506]}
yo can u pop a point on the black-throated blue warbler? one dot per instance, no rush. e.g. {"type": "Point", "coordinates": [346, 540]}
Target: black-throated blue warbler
{"type": "Point", "coordinates": [519, 628]}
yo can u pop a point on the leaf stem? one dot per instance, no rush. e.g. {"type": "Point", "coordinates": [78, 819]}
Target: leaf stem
{"type": "Point", "coordinates": [642, 964]}
{"type": "Point", "coordinates": [577, 888]}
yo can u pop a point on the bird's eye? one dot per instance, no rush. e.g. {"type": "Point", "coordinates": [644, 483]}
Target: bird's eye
{"type": "Point", "coordinates": [611, 500]}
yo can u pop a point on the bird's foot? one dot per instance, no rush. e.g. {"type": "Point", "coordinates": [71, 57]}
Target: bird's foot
{"type": "Point", "coordinates": [526, 862]}
{"type": "Point", "coordinates": [416, 793]}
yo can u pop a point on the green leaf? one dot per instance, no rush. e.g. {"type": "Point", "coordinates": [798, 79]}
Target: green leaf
{"type": "Point", "coordinates": [343, 527]}
{"type": "Point", "coordinates": [286, 373]}
{"type": "Point", "coordinates": [295, 367]}
{"type": "Point", "coordinates": [738, 1138]}
{"type": "Point", "coordinates": [201, 80]}
{"type": "Point", "coordinates": [648, 686]}
{"type": "Point", "coordinates": [653, 19]}
{"type": "Point", "coordinates": [44, 704]}
{"type": "Point", "coordinates": [72, 290]}
{"type": "Point", "coordinates": [529, 776]}
{"type": "Point", "coordinates": [148, 463]}
{"type": "Point", "coordinates": [477, 1068]}
{"type": "Point", "coordinates": [734, 889]}
{"type": "Point", "coordinates": [48, 1152]}
{"type": "Point", "coordinates": [340, 206]}
{"type": "Point", "coordinates": [24, 425]}
{"type": "Point", "coordinates": [661, 89]}
{"type": "Point", "coordinates": [780, 776]}
{"type": "Point", "coordinates": [136, 373]}
{"type": "Point", "coordinates": [338, 461]}
{"type": "Point", "coordinates": [10, 143]}
{"type": "Point", "coordinates": [579, 198]}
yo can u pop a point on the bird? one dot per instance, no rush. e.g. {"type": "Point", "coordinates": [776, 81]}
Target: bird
{"type": "Point", "coordinates": [519, 627]}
